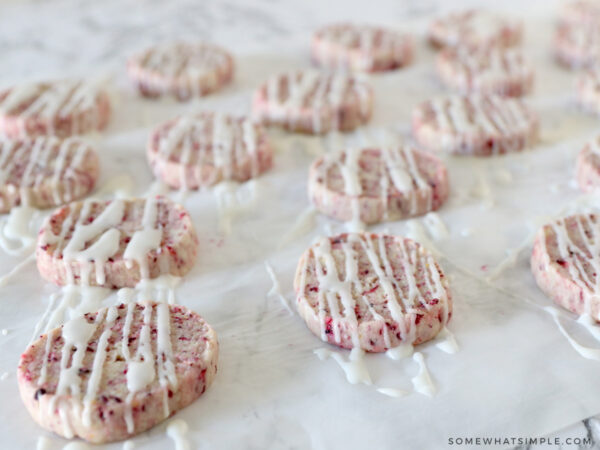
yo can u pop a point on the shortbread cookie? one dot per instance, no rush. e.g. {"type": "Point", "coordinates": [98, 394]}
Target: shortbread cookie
{"type": "Point", "coordinates": [577, 46]}
{"type": "Point", "coordinates": [361, 47]}
{"type": "Point", "coordinates": [116, 243]}
{"type": "Point", "coordinates": [588, 166]}
{"type": "Point", "coordinates": [313, 102]}
{"type": "Point", "coordinates": [566, 262]}
{"type": "Point", "coordinates": [374, 185]}
{"type": "Point", "coordinates": [112, 374]}
{"type": "Point", "coordinates": [201, 150]}
{"type": "Point", "coordinates": [580, 13]}
{"type": "Point", "coordinates": [485, 71]}
{"type": "Point", "coordinates": [59, 108]}
{"type": "Point", "coordinates": [371, 291]}
{"type": "Point", "coordinates": [475, 28]}
{"type": "Point", "coordinates": [181, 69]}
{"type": "Point", "coordinates": [45, 171]}
{"type": "Point", "coordinates": [479, 125]}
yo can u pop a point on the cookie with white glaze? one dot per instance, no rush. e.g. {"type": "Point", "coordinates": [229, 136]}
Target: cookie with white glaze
{"type": "Point", "coordinates": [565, 263]}
{"type": "Point", "coordinates": [371, 291]}
{"type": "Point", "coordinates": [362, 48]}
{"type": "Point", "coordinates": [183, 70]}
{"type": "Point", "coordinates": [476, 125]}
{"type": "Point", "coordinates": [109, 375]}
{"type": "Point", "coordinates": [373, 185]}
{"type": "Point", "coordinates": [116, 243]}
{"type": "Point", "coordinates": [313, 102]}
{"type": "Point", "coordinates": [200, 150]}
{"type": "Point", "coordinates": [45, 171]}
{"type": "Point", "coordinates": [59, 108]}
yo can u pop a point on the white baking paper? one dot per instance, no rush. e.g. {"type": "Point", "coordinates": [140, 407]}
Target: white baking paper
{"type": "Point", "coordinates": [514, 375]}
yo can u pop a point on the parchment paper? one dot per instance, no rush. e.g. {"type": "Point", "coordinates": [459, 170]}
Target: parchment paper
{"type": "Point", "coordinates": [514, 376]}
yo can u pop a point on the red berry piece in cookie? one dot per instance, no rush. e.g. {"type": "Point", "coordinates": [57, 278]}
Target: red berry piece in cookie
{"type": "Point", "coordinates": [116, 243]}
{"type": "Point", "coordinates": [377, 184]}
{"type": "Point", "coordinates": [112, 374]}
{"type": "Point", "coordinates": [371, 291]}
{"type": "Point", "coordinates": [313, 102]}
{"type": "Point", "coordinates": [201, 150]}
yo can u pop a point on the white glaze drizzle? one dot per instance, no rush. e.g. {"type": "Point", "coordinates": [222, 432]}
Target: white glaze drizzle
{"type": "Point", "coordinates": [96, 373]}
{"type": "Point", "coordinates": [435, 226]}
{"type": "Point", "coordinates": [398, 170]}
{"type": "Point", "coordinates": [56, 100]}
{"type": "Point", "coordinates": [392, 392]}
{"type": "Point", "coordinates": [234, 199]}
{"type": "Point", "coordinates": [141, 370]}
{"type": "Point", "coordinates": [166, 367]}
{"type": "Point", "coordinates": [70, 302]}
{"type": "Point", "coordinates": [103, 248]}
{"type": "Point", "coordinates": [93, 243]}
{"type": "Point", "coordinates": [448, 344]}
{"type": "Point", "coordinates": [488, 69]}
{"type": "Point", "coordinates": [161, 288]}
{"type": "Point", "coordinates": [197, 63]}
{"type": "Point", "coordinates": [473, 26]}
{"type": "Point", "coordinates": [371, 41]}
{"type": "Point", "coordinates": [323, 93]}
{"type": "Point", "coordinates": [275, 290]}
{"type": "Point", "coordinates": [145, 240]}
{"type": "Point", "coordinates": [76, 446]}
{"type": "Point", "coordinates": [354, 367]}
{"type": "Point", "coordinates": [422, 381]}
{"type": "Point", "coordinates": [331, 290]}
{"type": "Point", "coordinates": [352, 186]}
{"type": "Point", "coordinates": [177, 430]}
{"type": "Point", "coordinates": [573, 256]}
{"type": "Point", "coordinates": [211, 139]}
{"type": "Point", "coordinates": [303, 224]}
{"type": "Point", "coordinates": [4, 279]}
{"type": "Point", "coordinates": [511, 258]}
{"type": "Point", "coordinates": [400, 352]}
{"type": "Point", "coordinates": [43, 443]}
{"type": "Point", "coordinates": [17, 233]}
{"type": "Point", "coordinates": [76, 334]}
{"type": "Point", "coordinates": [586, 352]}
{"type": "Point", "coordinates": [490, 114]}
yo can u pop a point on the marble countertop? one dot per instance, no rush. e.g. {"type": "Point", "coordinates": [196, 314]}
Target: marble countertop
{"type": "Point", "coordinates": [40, 39]}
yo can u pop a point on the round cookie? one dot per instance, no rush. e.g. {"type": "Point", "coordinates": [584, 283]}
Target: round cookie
{"type": "Point", "coordinates": [201, 150]}
{"type": "Point", "coordinates": [475, 28]}
{"type": "Point", "coordinates": [580, 13]}
{"type": "Point", "coordinates": [371, 291]}
{"type": "Point", "coordinates": [116, 243]}
{"type": "Point", "coordinates": [588, 166]}
{"type": "Point", "coordinates": [478, 125]}
{"type": "Point", "coordinates": [313, 102]}
{"type": "Point", "coordinates": [45, 171]}
{"type": "Point", "coordinates": [374, 185]}
{"type": "Point", "coordinates": [577, 46]}
{"type": "Point", "coordinates": [588, 90]}
{"type": "Point", "coordinates": [361, 48]}
{"type": "Point", "coordinates": [566, 262]}
{"type": "Point", "coordinates": [181, 69]}
{"type": "Point", "coordinates": [112, 374]}
{"type": "Point", "coordinates": [485, 71]}
{"type": "Point", "coordinates": [60, 108]}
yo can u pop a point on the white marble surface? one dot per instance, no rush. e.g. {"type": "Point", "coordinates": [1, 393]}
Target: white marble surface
{"type": "Point", "coordinates": [45, 39]}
